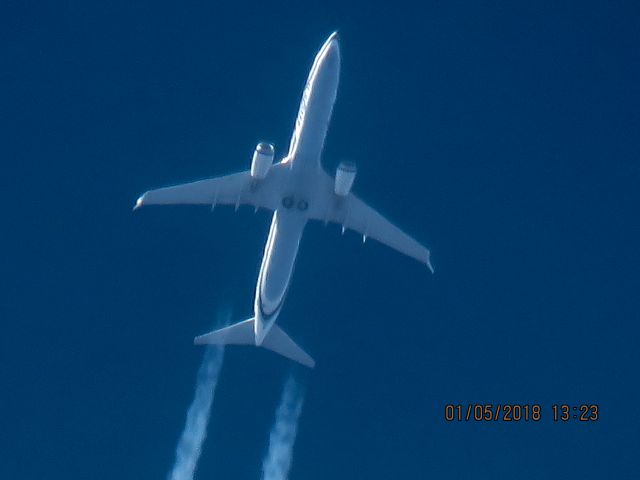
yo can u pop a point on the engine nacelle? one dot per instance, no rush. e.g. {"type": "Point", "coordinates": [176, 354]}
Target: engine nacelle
{"type": "Point", "coordinates": [345, 175]}
{"type": "Point", "coordinates": [262, 160]}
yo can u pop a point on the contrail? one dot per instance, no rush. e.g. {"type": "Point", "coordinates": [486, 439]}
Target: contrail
{"type": "Point", "coordinates": [195, 428]}
{"type": "Point", "coordinates": [276, 464]}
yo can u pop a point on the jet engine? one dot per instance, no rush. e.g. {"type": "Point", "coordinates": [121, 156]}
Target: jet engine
{"type": "Point", "coordinates": [262, 160]}
{"type": "Point", "coordinates": [345, 175]}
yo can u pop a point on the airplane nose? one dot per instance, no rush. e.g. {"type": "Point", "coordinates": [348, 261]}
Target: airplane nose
{"type": "Point", "coordinates": [332, 43]}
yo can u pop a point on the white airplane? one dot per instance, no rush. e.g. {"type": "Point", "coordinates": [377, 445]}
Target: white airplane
{"type": "Point", "coordinates": [296, 189]}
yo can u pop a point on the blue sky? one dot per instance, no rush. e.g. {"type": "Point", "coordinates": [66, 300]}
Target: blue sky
{"type": "Point", "coordinates": [502, 134]}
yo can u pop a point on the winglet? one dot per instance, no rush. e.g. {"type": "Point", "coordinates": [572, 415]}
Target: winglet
{"type": "Point", "coordinates": [428, 262]}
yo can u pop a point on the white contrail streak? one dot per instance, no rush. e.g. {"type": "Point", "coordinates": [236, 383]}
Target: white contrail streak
{"type": "Point", "coordinates": [276, 464]}
{"type": "Point", "coordinates": [195, 428]}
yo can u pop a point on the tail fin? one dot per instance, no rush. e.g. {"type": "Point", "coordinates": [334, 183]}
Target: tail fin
{"type": "Point", "coordinates": [243, 334]}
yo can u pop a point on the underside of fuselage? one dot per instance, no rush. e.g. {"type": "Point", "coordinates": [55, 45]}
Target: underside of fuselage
{"type": "Point", "coordinates": [303, 160]}
{"type": "Point", "coordinates": [287, 227]}
{"type": "Point", "coordinates": [296, 189]}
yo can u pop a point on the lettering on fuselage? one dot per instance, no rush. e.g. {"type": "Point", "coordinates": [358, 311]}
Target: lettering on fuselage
{"type": "Point", "coordinates": [300, 118]}
{"type": "Point", "coordinates": [303, 106]}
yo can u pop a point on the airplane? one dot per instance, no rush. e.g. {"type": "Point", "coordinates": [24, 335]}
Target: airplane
{"type": "Point", "coordinates": [296, 189]}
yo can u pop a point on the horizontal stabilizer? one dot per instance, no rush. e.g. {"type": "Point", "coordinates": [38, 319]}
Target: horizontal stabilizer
{"type": "Point", "coordinates": [238, 334]}
{"type": "Point", "coordinates": [243, 334]}
{"type": "Point", "coordinates": [279, 342]}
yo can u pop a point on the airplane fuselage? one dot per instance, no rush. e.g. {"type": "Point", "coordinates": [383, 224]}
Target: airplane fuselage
{"type": "Point", "coordinates": [303, 160]}
{"type": "Point", "coordinates": [277, 266]}
{"type": "Point", "coordinates": [296, 189]}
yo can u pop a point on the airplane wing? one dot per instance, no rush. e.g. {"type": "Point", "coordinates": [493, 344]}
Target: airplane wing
{"type": "Point", "coordinates": [235, 189]}
{"type": "Point", "coordinates": [354, 214]}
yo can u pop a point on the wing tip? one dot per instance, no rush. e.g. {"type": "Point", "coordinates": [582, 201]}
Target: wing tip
{"type": "Point", "coordinates": [429, 264]}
